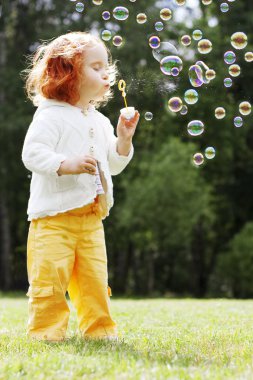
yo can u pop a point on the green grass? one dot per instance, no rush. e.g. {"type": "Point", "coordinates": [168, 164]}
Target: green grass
{"type": "Point", "coordinates": [163, 339]}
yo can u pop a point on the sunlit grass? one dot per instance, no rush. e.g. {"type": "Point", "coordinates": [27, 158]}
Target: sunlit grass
{"type": "Point", "coordinates": [161, 339]}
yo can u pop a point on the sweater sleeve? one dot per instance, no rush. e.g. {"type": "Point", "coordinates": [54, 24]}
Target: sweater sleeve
{"type": "Point", "coordinates": [117, 162]}
{"type": "Point", "coordinates": [38, 153]}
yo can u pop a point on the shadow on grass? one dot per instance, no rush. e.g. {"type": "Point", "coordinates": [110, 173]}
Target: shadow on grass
{"type": "Point", "coordinates": [88, 346]}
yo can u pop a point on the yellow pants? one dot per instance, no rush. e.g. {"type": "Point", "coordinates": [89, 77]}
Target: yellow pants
{"type": "Point", "coordinates": [67, 252]}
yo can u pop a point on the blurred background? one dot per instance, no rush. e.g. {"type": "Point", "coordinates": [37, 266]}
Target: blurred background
{"type": "Point", "coordinates": [175, 229]}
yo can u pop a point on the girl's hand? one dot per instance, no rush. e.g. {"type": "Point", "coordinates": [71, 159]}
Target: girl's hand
{"type": "Point", "coordinates": [82, 164]}
{"type": "Point", "coordinates": [126, 128]}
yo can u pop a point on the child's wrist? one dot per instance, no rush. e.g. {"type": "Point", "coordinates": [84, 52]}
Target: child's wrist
{"type": "Point", "coordinates": [124, 146]}
{"type": "Point", "coordinates": [64, 168]}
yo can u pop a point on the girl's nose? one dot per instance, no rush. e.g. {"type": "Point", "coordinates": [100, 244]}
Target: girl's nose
{"type": "Point", "coordinates": [105, 75]}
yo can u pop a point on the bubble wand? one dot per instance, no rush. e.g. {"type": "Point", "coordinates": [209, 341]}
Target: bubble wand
{"type": "Point", "coordinates": [127, 112]}
{"type": "Point", "coordinates": [122, 86]}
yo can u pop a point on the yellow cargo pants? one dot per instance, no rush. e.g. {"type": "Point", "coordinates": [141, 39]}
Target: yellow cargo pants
{"type": "Point", "coordinates": [67, 252]}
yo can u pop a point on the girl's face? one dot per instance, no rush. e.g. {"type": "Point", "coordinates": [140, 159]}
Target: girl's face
{"type": "Point", "coordinates": [96, 77]}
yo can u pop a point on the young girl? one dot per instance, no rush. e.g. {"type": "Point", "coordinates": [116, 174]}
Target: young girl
{"type": "Point", "coordinates": [72, 152]}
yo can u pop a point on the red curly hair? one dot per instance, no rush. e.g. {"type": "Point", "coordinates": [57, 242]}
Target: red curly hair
{"type": "Point", "coordinates": [56, 68]}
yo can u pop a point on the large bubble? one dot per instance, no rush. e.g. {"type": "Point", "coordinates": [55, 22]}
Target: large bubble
{"type": "Point", "coordinates": [198, 158]}
{"type": "Point", "coordinates": [120, 13]}
{"type": "Point", "coordinates": [175, 104]}
{"type": "Point", "coordinates": [164, 50]}
{"type": "Point", "coordinates": [191, 96]}
{"type": "Point", "coordinates": [220, 113]}
{"type": "Point", "coordinates": [141, 18]}
{"type": "Point", "coordinates": [210, 152]}
{"type": "Point", "coordinates": [166, 14]}
{"type": "Point", "coordinates": [239, 40]}
{"type": "Point", "coordinates": [186, 40]}
{"type": "Point", "coordinates": [195, 127]}
{"type": "Point", "coordinates": [234, 70]}
{"type": "Point", "coordinates": [248, 56]}
{"type": "Point", "coordinates": [154, 42]}
{"type": "Point", "coordinates": [205, 46]}
{"type": "Point", "coordinates": [167, 64]}
{"type": "Point", "coordinates": [106, 35]}
{"type": "Point", "coordinates": [229, 57]}
{"type": "Point", "coordinates": [245, 108]}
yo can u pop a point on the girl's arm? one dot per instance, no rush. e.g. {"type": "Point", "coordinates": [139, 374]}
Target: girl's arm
{"type": "Point", "coordinates": [117, 162]}
{"type": "Point", "coordinates": [38, 154]}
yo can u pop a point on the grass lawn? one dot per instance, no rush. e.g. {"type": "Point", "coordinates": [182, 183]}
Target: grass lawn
{"type": "Point", "coordinates": [163, 339]}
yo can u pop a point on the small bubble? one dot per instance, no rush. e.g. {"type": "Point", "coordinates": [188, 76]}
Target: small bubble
{"type": "Point", "coordinates": [148, 116]}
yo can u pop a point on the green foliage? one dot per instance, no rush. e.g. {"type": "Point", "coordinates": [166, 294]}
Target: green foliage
{"type": "Point", "coordinates": [235, 266]}
{"type": "Point", "coordinates": [171, 221]}
{"type": "Point", "coordinates": [168, 197]}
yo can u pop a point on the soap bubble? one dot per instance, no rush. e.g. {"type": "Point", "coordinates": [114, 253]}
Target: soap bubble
{"type": "Point", "coordinates": [205, 46]}
{"type": "Point", "coordinates": [186, 40]}
{"type": "Point", "coordinates": [234, 70]}
{"type": "Point", "coordinates": [220, 113]}
{"type": "Point", "coordinates": [239, 40]}
{"type": "Point", "coordinates": [205, 68]}
{"type": "Point", "coordinates": [245, 108]}
{"type": "Point", "coordinates": [195, 127]}
{"type": "Point", "coordinates": [209, 152]}
{"type": "Point", "coordinates": [210, 74]}
{"type": "Point", "coordinates": [165, 49]}
{"type": "Point", "coordinates": [141, 18]}
{"type": "Point", "coordinates": [228, 82]}
{"type": "Point", "coordinates": [198, 159]}
{"type": "Point", "coordinates": [165, 14]}
{"type": "Point", "coordinates": [106, 15]}
{"type": "Point", "coordinates": [159, 26]}
{"type": "Point", "coordinates": [238, 121]}
{"type": "Point", "coordinates": [184, 110]}
{"type": "Point", "coordinates": [106, 35]}
{"type": "Point", "coordinates": [154, 42]}
{"type": "Point", "coordinates": [117, 40]}
{"type": "Point", "coordinates": [148, 116]}
{"type": "Point", "coordinates": [180, 2]}
{"type": "Point", "coordinates": [120, 13]}
{"type": "Point", "coordinates": [175, 71]}
{"type": "Point", "coordinates": [229, 57]}
{"type": "Point", "coordinates": [207, 2]}
{"type": "Point", "coordinates": [196, 75]}
{"type": "Point", "coordinates": [248, 56]}
{"type": "Point", "coordinates": [97, 2]}
{"type": "Point", "coordinates": [79, 7]}
{"type": "Point", "coordinates": [175, 104]}
{"type": "Point", "coordinates": [167, 64]}
{"type": "Point", "coordinates": [197, 34]}
{"type": "Point", "coordinates": [191, 96]}
{"type": "Point", "coordinates": [224, 7]}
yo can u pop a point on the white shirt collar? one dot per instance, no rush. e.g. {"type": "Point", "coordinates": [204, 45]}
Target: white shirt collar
{"type": "Point", "coordinates": [44, 102]}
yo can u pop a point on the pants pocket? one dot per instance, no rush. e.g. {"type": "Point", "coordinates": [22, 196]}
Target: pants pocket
{"type": "Point", "coordinates": [40, 290]}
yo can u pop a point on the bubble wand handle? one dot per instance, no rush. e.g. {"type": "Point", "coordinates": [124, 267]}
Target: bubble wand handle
{"type": "Point", "coordinates": [121, 87]}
